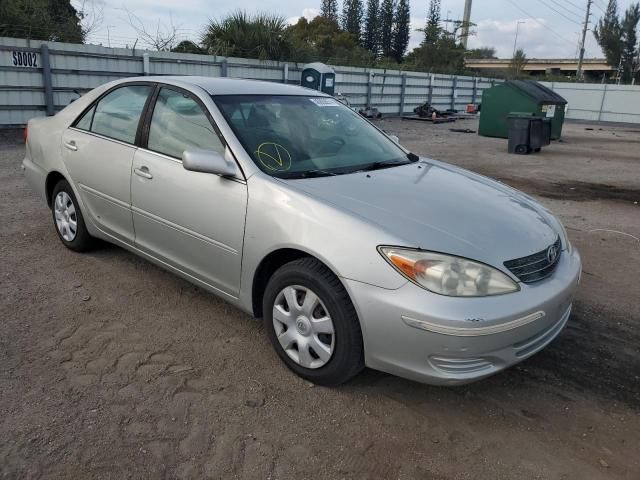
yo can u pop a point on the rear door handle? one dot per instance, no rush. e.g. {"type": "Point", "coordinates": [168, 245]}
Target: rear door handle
{"type": "Point", "coordinates": [71, 145]}
{"type": "Point", "coordinates": [143, 172]}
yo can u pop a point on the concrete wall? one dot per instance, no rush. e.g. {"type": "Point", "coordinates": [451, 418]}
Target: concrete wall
{"type": "Point", "coordinates": [594, 101]}
{"type": "Point", "coordinates": [29, 89]}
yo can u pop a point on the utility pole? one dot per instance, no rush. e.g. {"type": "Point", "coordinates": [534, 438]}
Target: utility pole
{"type": "Point", "coordinates": [515, 42]}
{"type": "Point", "coordinates": [585, 27]}
{"type": "Point", "coordinates": [466, 21]}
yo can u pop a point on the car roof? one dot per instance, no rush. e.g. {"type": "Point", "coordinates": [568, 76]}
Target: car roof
{"type": "Point", "coordinates": [232, 86]}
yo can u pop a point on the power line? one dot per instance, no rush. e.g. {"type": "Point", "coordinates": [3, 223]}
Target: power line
{"type": "Point", "coordinates": [559, 13]}
{"type": "Point", "coordinates": [597, 4]}
{"type": "Point", "coordinates": [572, 12]}
{"type": "Point", "coordinates": [539, 22]}
{"type": "Point", "coordinates": [581, 9]}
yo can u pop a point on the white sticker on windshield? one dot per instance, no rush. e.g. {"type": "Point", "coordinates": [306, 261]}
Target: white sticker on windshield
{"type": "Point", "coordinates": [324, 102]}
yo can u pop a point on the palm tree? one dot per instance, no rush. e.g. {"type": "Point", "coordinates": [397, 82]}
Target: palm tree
{"type": "Point", "coordinates": [517, 64]}
{"type": "Point", "coordinates": [262, 36]}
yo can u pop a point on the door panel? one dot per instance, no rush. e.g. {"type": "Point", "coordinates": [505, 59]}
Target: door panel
{"type": "Point", "coordinates": [193, 221]}
{"type": "Point", "coordinates": [101, 170]}
{"type": "Point", "coordinates": [98, 153]}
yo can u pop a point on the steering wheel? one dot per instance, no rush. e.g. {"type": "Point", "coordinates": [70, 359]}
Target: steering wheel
{"type": "Point", "coordinates": [336, 141]}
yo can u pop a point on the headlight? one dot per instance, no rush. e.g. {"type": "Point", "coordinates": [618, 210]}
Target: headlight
{"type": "Point", "coordinates": [448, 275]}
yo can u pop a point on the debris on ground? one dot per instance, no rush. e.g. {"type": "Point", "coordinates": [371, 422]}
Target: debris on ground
{"type": "Point", "coordinates": [462, 130]}
{"type": "Point", "coordinates": [370, 112]}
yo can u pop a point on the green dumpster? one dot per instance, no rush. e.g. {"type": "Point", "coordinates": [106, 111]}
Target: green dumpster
{"type": "Point", "coordinates": [519, 96]}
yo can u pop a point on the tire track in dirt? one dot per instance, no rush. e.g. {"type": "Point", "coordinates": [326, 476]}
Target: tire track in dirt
{"type": "Point", "coordinates": [150, 393]}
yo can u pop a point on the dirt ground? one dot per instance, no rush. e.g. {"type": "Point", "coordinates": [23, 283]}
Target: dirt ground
{"type": "Point", "coordinates": [113, 368]}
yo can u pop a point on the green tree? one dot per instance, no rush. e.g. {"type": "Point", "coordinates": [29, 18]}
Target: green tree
{"type": "Point", "coordinates": [517, 64]}
{"type": "Point", "coordinates": [619, 40]}
{"type": "Point", "coordinates": [386, 27]}
{"type": "Point", "coordinates": [371, 38]}
{"type": "Point", "coordinates": [54, 20]}
{"type": "Point", "coordinates": [187, 46]}
{"type": "Point", "coordinates": [401, 28]}
{"type": "Point", "coordinates": [482, 52]}
{"type": "Point", "coordinates": [329, 9]}
{"type": "Point", "coordinates": [432, 30]}
{"type": "Point", "coordinates": [322, 40]}
{"type": "Point", "coordinates": [352, 13]}
{"type": "Point", "coordinates": [444, 55]}
{"type": "Point", "coordinates": [262, 36]}
{"type": "Point", "coordinates": [629, 26]}
{"type": "Point", "coordinates": [608, 34]}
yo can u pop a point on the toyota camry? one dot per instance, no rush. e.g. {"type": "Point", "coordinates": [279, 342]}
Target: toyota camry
{"type": "Point", "coordinates": [353, 250]}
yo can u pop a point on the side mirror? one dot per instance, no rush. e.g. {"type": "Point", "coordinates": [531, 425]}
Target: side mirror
{"type": "Point", "coordinates": [208, 161]}
{"type": "Point", "coordinates": [395, 139]}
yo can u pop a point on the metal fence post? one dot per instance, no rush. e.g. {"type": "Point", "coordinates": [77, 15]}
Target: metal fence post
{"type": "Point", "coordinates": [46, 79]}
{"type": "Point", "coordinates": [431, 78]}
{"type": "Point", "coordinates": [145, 64]}
{"type": "Point", "coordinates": [604, 95]}
{"type": "Point", "coordinates": [285, 73]}
{"type": "Point", "coordinates": [454, 92]}
{"type": "Point", "coordinates": [475, 90]}
{"type": "Point", "coordinates": [403, 89]}
{"type": "Point", "coordinates": [369, 87]}
{"type": "Point", "coordinates": [224, 67]}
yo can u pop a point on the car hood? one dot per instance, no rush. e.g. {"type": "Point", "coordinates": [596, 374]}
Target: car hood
{"type": "Point", "coordinates": [434, 206]}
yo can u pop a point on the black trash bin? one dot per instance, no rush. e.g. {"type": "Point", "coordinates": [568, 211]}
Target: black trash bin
{"type": "Point", "coordinates": [536, 134]}
{"type": "Point", "coordinates": [519, 130]}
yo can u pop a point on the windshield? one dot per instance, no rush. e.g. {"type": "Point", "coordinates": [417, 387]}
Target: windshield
{"type": "Point", "coordinates": [297, 136]}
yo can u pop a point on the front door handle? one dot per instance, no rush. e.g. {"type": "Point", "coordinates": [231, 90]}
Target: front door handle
{"type": "Point", "coordinates": [143, 172]}
{"type": "Point", "coordinates": [71, 145]}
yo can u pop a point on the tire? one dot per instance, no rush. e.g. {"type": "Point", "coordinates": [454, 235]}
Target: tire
{"type": "Point", "coordinates": [298, 278]}
{"type": "Point", "coordinates": [522, 149]}
{"type": "Point", "coordinates": [65, 211]}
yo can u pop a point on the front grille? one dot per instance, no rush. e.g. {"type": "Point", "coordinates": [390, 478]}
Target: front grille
{"type": "Point", "coordinates": [535, 267]}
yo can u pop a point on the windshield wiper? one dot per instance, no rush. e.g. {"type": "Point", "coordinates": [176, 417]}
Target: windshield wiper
{"type": "Point", "coordinates": [310, 174]}
{"type": "Point", "coordinates": [385, 164]}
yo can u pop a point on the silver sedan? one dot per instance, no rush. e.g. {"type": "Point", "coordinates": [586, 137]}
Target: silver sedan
{"type": "Point", "coordinates": [287, 204]}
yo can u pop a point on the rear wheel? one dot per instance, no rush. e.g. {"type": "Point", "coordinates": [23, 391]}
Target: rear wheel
{"type": "Point", "coordinates": [68, 219]}
{"type": "Point", "coordinates": [312, 323]}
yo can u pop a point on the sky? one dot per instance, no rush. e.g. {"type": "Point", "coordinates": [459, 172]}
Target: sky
{"type": "Point", "coordinates": [546, 28]}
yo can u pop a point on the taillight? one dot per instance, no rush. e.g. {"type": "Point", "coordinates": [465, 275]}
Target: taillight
{"type": "Point", "coordinates": [26, 133]}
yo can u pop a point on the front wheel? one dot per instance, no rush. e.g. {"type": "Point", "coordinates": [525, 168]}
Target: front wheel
{"type": "Point", "coordinates": [312, 323]}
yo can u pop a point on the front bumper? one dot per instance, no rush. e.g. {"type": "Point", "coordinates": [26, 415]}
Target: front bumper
{"type": "Point", "coordinates": [441, 340]}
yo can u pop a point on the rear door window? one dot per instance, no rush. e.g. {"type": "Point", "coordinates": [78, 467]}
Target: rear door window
{"type": "Point", "coordinates": [117, 114]}
{"type": "Point", "coordinates": [85, 121]}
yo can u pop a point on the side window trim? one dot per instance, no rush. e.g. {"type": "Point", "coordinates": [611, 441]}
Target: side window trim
{"type": "Point", "coordinates": [93, 105]}
{"type": "Point", "coordinates": [146, 118]}
{"type": "Point", "coordinates": [93, 114]}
